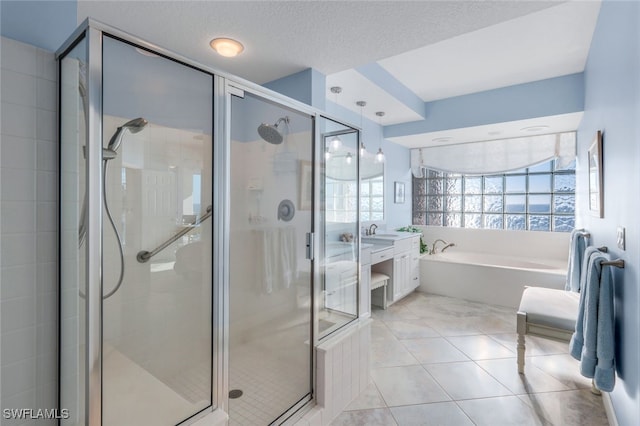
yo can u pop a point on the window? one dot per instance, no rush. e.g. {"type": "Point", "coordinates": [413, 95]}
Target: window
{"type": "Point", "coordinates": [538, 198]}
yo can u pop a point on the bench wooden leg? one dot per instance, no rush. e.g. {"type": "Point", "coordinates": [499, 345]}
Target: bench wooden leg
{"type": "Point", "coordinates": [521, 328]}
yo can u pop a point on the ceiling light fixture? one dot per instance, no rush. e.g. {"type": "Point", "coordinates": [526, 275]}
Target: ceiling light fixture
{"type": "Point", "coordinates": [363, 150]}
{"type": "Point", "coordinates": [380, 154]}
{"type": "Point", "coordinates": [226, 47]}
{"type": "Point", "coordinates": [349, 158]}
{"type": "Point", "coordinates": [327, 154]}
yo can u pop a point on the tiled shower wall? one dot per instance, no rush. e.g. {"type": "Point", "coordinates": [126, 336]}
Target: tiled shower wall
{"type": "Point", "coordinates": [28, 228]}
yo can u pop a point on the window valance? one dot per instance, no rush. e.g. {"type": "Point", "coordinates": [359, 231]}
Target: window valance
{"type": "Point", "coordinates": [495, 156]}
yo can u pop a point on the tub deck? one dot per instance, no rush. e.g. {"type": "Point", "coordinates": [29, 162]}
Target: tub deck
{"type": "Point", "coordinates": [488, 278]}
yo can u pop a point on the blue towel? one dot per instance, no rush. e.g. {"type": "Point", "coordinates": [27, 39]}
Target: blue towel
{"type": "Point", "coordinates": [577, 244]}
{"type": "Point", "coordinates": [593, 346]}
{"type": "Point", "coordinates": [577, 340]}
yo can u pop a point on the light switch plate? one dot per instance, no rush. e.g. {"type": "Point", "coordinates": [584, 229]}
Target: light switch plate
{"type": "Point", "coordinates": [620, 237]}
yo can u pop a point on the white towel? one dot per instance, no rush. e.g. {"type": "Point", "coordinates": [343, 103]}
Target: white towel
{"type": "Point", "coordinates": [267, 247]}
{"type": "Point", "coordinates": [288, 255]}
{"type": "Point", "coordinates": [277, 258]}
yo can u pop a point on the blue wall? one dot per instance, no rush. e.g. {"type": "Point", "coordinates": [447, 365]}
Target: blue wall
{"type": "Point", "coordinates": [306, 86]}
{"type": "Point", "coordinates": [612, 104]}
{"type": "Point", "coordinates": [45, 24]}
{"type": "Point", "coordinates": [559, 95]}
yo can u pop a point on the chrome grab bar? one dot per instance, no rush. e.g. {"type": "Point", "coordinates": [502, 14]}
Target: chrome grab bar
{"type": "Point", "coordinates": [143, 256]}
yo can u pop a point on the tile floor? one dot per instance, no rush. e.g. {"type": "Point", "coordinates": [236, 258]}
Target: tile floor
{"type": "Point", "coordinates": [444, 361]}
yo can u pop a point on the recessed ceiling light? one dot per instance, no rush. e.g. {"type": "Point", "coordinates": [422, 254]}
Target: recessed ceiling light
{"type": "Point", "coordinates": [442, 139]}
{"type": "Point", "coordinates": [227, 47]}
{"type": "Point", "coordinates": [494, 132]}
{"type": "Point", "coordinates": [532, 129]}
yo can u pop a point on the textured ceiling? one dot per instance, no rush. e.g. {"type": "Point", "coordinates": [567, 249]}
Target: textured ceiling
{"type": "Point", "coordinates": [436, 49]}
{"type": "Point", "coordinates": [284, 37]}
{"type": "Point", "coordinates": [549, 43]}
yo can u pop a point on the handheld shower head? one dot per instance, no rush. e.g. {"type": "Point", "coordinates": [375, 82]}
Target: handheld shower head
{"type": "Point", "coordinates": [270, 132]}
{"type": "Point", "coordinates": [134, 126]}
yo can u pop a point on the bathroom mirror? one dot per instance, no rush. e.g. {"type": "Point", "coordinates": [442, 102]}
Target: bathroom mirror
{"type": "Point", "coordinates": [341, 177]}
{"type": "Point", "coordinates": [596, 202]}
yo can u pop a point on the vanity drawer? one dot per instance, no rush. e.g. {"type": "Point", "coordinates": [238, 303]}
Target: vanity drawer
{"type": "Point", "coordinates": [404, 244]}
{"type": "Point", "coordinates": [381, 255]}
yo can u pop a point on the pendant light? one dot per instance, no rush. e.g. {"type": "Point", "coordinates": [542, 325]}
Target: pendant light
{"type": "Point", "coordinates": [380, 154]}
{"type": "Point", "coordinates": [349, 158]}
{"type": "Point", "coordinates": [363, 150]}
{"type": "Point", "coordinates": [335, 143]}
{"type": "Point", "coordinates": [327, 154]}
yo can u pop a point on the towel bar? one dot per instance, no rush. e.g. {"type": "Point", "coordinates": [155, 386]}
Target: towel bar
{"type": "Point", "coordinates": [618, 263]}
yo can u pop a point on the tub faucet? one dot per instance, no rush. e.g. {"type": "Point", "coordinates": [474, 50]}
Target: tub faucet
{"type": "Point", "coordinates": [372, 229]}
{"type": "Point", "coordinates": [447, 245]}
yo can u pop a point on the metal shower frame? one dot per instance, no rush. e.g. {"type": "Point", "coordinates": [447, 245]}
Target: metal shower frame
{"type": "Point", "coordinates": [224, 86]}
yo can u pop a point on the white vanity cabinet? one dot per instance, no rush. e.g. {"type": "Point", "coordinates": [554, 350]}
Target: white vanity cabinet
{"type": "Point", "coordinates": [405, 267]}
{"type": "Point", "coordinates": [397, 255]}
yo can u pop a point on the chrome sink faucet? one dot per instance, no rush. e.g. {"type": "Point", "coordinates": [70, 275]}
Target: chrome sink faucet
{"type": "Point", "coordinates": [447, 245]}
{"type": "Point", "coordinates": [372, 229]}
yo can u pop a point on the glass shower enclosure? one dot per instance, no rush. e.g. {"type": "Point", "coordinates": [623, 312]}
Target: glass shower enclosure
{"type": "Point", "coordinates": [188, 263]}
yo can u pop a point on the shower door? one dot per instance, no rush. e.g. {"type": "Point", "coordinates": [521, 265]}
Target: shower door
{"type": "Point", "coordinates": [157, 324]}
{"type": "Point", "coordinates": [270, 216]}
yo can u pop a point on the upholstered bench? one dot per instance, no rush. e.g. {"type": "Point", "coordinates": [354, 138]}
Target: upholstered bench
{"type": "Point", "coordinates": [380, 281]}
{"type": "Point", "coordinates": [547, 313]}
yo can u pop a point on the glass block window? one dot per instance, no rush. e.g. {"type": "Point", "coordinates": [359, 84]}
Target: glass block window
{"type": "Point", "coordinates": [538, 198]}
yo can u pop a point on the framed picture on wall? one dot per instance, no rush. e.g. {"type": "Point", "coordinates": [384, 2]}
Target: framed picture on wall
{"type": "Point", "coordinates": [398, 192]}
{"type": "Point", "coordinates": [596, 188]}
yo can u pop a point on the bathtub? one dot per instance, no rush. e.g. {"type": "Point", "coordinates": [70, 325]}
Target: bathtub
{"type": "Point", "coordinates": [488, 278]}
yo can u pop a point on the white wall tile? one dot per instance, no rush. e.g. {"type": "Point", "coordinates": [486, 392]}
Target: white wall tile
{"type": "Point", "coordinates": [18, 281]}
{"type": "Point", "coordinates": [46, 247]}
{"type": "Point", "coordinates": [18, 249]}
{"type": "Point", "coordinates": [46, 341]}
{"type": "Point", "coordinates": [47, 216]}
{"type": "Point", "coordinates": [47, 156]}
{"type": "Point", "coordinates": [18, 120]}
{"type": "Point", "coordinates": [19, 400]}
{"type": "Point", "coordinates": [46, 127]}
{"type": "Point", "coordinates": [28, 304]}
{"type": "Point", "coordinates": [18, 314]}
{"type": "Point", "coordinates": [18, 56]}
{"type": "Point", "coordinates": [18, 88]}
{"type": "Point", "coordinates": [46, 95]}
{"type": "Point", "coordinates": [46, 65]}
{"type": "Point", "coordinates": [47, 278]}
{"type": "Point", "coordinates": [17, 345]}
{"type": "Point", "coordinates": [19, 376]}
{"type": "Point", "coordinates": [18, 217]}
{"type": "Point", "coordinates": [18, 153]}
{"type": "Point", "coordinates": [47, 186]}
{"type": "Point", "coordinates": [18, 185]}
{"type": "Point", "coordinates": [46, 369]}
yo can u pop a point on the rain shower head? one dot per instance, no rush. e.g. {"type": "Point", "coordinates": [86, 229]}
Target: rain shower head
{"type": "Point", "coordinates": [134, 126]}
{"type": "Point", "coordinates": [270, 132]}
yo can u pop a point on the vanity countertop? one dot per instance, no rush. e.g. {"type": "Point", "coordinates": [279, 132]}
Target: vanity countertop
{"type": "Point", "coordinates": [388, 238]}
